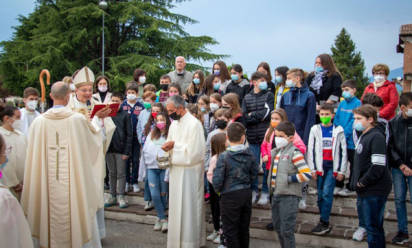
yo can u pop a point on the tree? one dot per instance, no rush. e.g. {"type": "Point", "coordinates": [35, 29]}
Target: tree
{"type": "Point", "coordinates": [348, 61]}
{"type": "Point", "coordinates": [64, 35]}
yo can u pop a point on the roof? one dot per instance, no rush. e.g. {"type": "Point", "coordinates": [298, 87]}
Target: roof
{"type": "Point", "coordinates": [406, 29]}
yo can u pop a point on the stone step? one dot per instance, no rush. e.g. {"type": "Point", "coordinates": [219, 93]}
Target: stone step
{"type": "Point", "coordinates": [340, 236]}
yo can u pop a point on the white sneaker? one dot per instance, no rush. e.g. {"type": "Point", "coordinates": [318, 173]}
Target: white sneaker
{"type": "Point", "coordinates": [337, 190]}
{"type": "Point", "coordinates": [312, 191]}
{"type": "Point", "coordinates": [346, 192]}
{"type": "Point", "coordinates": [221, 246]}
{"type": "Point", "coordinates": [126, 188]}
{"type": "Point", "coordinates": [359, 235]}
{"type": "Point", "coordinates": [264, 199]}
{"type": "Point", "coordinates": [217, 240]}
{"type": "Point", "coordinates": [136, 188]}
{"type": "Point", "coordinates": [164, 226]}
{"type": "Point", "coordinates": [302, 204]}
{"type": "Point", "coordinates": [148, 206]}
{"type": "Point", "coordinates": [158, 225]}
{"type": "Point", "coordinates": [254, 196]}
{"type": "Point", "coordinates": [212, 236]}
{"type": "Point", "coordinates": [122, 201]}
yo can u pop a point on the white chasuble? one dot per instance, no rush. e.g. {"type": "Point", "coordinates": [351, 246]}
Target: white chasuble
{"type": "Point", "coordinates": [186, 204]}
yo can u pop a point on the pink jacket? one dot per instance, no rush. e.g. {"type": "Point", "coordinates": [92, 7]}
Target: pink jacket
{"type": "Point", "coordinates": [266, 147]}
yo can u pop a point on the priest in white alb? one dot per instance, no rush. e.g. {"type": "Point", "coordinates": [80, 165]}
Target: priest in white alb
{"type": "Point", "coordinates": [60, 199]}
{"type": "Point", "coordinates": [82, 101]}
{"type": "Point", "coordinates": [186, 145]}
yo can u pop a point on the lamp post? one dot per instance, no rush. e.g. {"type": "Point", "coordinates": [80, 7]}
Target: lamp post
{"type": "Point", "coordinates": [103, 6]}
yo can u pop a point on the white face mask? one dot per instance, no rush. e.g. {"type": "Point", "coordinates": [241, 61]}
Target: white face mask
{"type": "Point", "coordinates": [214, 107]}
{"type": "Point", "coordinates": [32, 105]}
{"type": "Point", "coordinates": [409, 113]}
{"type": "Point", "coordinates": [16, 124]}
{"type": "Point", "coordinates": [379, 80]}
{"type": "Point", "coordinates": [131, 97]}
{"type": "Point", "coordinates": [103, 88]}
{"type": "Point", "coordinates": [142, 80]}
{"type": "Point", "coordinates": [72, 87]}
{"type": "Point", "coordinates": [281, 142]}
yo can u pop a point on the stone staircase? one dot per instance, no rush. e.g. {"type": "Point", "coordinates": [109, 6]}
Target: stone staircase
{"type": "Point", "coordinates": [343, 219]}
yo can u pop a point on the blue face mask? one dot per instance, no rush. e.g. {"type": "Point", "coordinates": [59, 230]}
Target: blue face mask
{"type": "Point", "coordinates": [235, 77]}
{"type": "Point", "coordinates": [290, 84]}
{"type": "Point", "coordinates": [203, 109]}
{"type": "Point", "coordinates": [216, 86]}
{"type": "Point", "coordinates": [278, 79]}
{"type": "Point", "coordinates": [196, 81]}
{"type": "Point", "coordinates": [347, 95]}
{"type": "Point", "coordinates": [216, 72]}
{"type": "Point", "coordinates": [263, 86]}
{"type": "Point", "coordinates": [359, 127]}
{"type": "Point", "coordinates": [4, 164]}
{"type": "Point", "coordinates": [319, 69]}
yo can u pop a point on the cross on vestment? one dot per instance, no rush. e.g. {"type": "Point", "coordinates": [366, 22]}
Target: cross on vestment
{"type": "Point", "coordinates": [57, 148]}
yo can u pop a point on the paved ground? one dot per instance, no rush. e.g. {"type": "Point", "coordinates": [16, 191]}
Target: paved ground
{"type": "Point", "coordinates": [121, 234]}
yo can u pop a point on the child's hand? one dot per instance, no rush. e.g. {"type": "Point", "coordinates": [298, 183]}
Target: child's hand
{"type": "Point", "coordinates": [265, 158]}
{"type": "Point", "coordinates": [125, 157]}
{"type": "Point", "coordinates": [340, 177]}
{"type": "Point", "coordinates": [314, 176]}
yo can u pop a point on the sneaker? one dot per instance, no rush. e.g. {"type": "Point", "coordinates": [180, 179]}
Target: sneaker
{"type": "Point", "coordinates": [264, 199]}
{"type": "Point", "coordinates": [212, 236]}
{"type": "Point", "coordinates": [254, 196]}
{"type": "Point", "coordinates": [122, 202]}
{"type": "Point", "coordinates": [148, 206]}
{"type": "Point", "coordinates": [136, 188]}
{"type": "Point", "coordinates": [164, 226]}
{"type": "Point", "coordinates": [111, 201]}
{"type": "Point", "coordinates": [359, 234]}
{"type": "Point", "coordinates": [312, 191]}
{"type": "Point", "coordinates": [337, 190]}
{"type": "Point", "coordinates": [217, 240]}
{"type": "Point", "coordinates": [346, 192]}
{"type": "Point", "coordinates": [270, 227]}
{"type": "Point", "coordinates": [400, 238]}
{"type": "Point", "coordinates": [221, 246]}
{"type": "Point", "coordinates": [126, 188]}
{"type": "Point", "coordinates": [322, 228]}
{"type": "Point", "coordinates": [302, 204]}
{"type": "Point", "coordinates": [157, 226]}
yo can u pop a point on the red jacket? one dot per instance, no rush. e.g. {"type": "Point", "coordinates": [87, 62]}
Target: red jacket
{"type": "Point", "coordinates": [390, 98]}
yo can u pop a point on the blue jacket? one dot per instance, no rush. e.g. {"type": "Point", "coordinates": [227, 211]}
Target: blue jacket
{"type": "Point", "coordinates": [300, 106]}
{"type": "Point", "coordinates": [344, 118]}
{"type": "Point", "coordinates": [133, 113]}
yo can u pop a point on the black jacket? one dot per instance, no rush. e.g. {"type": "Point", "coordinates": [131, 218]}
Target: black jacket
{"type": "Point", "coordinates": [331, 87]}
{"type": "Point", "coordinates": [400, 141]}
{"type": "Point", "coordinates": [241, 89]}
{"type": "Point", "coordinates": [123, 135]}
{"type": "Point", "coordinates": [370, 166]}
{"type": "Point", "coordinates": [256, 110]}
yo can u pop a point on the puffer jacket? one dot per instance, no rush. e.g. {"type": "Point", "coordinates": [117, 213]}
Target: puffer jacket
{"type": "Point", "coordinates": [389, 95]}
{"type": "Point", "coordinates": [256, 109]}
{"type": "Point", "coordinates": [400, 138]}
{"type": "Point", "coordinates": [241, 88]}
{"type": "Point", "coordinates": [235, 170]}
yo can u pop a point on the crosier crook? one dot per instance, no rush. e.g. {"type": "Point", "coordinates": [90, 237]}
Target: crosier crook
{"type": "Point", "coordinates": [43, 88]}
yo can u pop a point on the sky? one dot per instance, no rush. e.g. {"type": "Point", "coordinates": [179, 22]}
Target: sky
{"type": "Point", "coordinates": [279, 32]}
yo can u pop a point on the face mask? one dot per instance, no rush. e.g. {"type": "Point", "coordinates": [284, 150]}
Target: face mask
{"type": "Point", "coordinates": [263, 86]}
{"type": "Point", "coordinates": [214, 107]}
{"type": "Point", "coordinates": [202, 109]}
{"type": "Point", "coordinates": [221, 124]}
{"type": "Point", "coordinates": [234, 77]}
{"type": "Point", "coordinates": [325, 119]}
{"type": "Point", "coordinates": [102, 88]}
{"type": "Point", "coordinates": [131, 97]}
{"type": "Point", "coordinates": [290, 84]}
{"type": "Point", "coordinates": [32, 105]}
{"type": "Point", "coordinates": [175, 116]}
{"type": "Point", "coordinates": [16, 124]}
{"type": "Point", "coordinates": [319, 69]}
{"type": "Point", "coordinates": [274, 124]}
{"type": "Point", "coordinates": [154, 115]}
{"type": "Point", "coordinates": [161, 125]}
{"type": "Point", "coordinates": [216, 86]}
{"type": "Point", "coordinates": [196, 81]}
{"type": "Point", "coordinates": [216, 72]}
{"type": "Point", "coordinates": [173, 94]}
{"type": "Point", "coordinates": [379, 79]}
{"type": "Point", "coordinates": [278, 79]}
{"type": "Point", "coordinates": [72, 87]}
{"type": "Point", "coordinates": [347, 95]}
{"type": "Point", "coordinates": [225, 107]}
{"type": "Point", "coordinates": [409, 113]}
{"type": "Point", "coordinates": [359, 127]}
{"type": "Point", "coordinates": [281, 142]}
{"type": "Point", "coordinates": [164, 87]}
{"type": "Point", "coordinates": [147, 105]}
{"type": "Point", "coordinates": [142, 80]}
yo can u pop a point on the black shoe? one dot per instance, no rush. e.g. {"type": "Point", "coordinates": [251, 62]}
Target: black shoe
{"type": "Point", "coordinates": [269, 227]}
{"type": "Point", "coordinates": [400, 238]}
{"type": "Point", "coordinates": [322, 228]}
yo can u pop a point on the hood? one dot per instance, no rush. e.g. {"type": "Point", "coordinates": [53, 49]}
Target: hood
{"type": "Point", "coordinates": [58, 113]}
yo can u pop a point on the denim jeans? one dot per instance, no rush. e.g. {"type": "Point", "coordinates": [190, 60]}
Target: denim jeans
{"type": "Point", "coordinates": [284, 212]}
{"type": "Point", "coordinates": [401, 184]}
{"type": "Point", "coordinates": [255, 149]}
{"type": "Point", "coordinates": [361, 218]}
{"type": "Point", "coordinates": [373, 208]}
{"type": "Point", "coordinates": [326, 185]}
{"type": "Point", "coordinates": [134, 162]}
{"type": "Point", "coordinates": [147, 195]}
{"type": "Point", "coordinates": [158, 190]}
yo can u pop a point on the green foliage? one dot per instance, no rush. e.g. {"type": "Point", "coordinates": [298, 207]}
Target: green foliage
{"type": "Point", "coordinates": [65, 35]}
{"type": "Point", "coordinates": [348, 61]}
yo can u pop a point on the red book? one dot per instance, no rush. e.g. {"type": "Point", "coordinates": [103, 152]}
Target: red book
{"type": "Point", "coordinates": [114, 107]}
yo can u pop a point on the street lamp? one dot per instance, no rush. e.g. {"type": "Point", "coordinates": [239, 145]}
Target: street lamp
{"type": "Point", "coordinates": [103, 6]}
